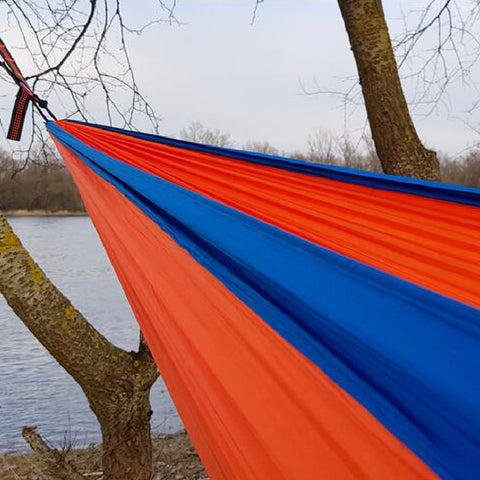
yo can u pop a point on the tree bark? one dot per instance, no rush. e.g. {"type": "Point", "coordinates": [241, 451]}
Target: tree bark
{"type": "Point", "coordinates": [396, 141]}
{"type": "Point", "coordinates": [117, 383]}
{"type": "Point", "coordinates": [127, 445]}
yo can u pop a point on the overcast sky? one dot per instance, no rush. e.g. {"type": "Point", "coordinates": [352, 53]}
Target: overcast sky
{"type": "Point", "coordinates": [247, 80]}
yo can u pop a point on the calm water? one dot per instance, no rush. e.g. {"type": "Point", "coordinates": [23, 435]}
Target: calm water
{"type": "Point", "coordinates": [34, 389]}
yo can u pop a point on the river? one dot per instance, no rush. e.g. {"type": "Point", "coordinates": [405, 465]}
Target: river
{"type": "Point", "coordinates": [34, 389]}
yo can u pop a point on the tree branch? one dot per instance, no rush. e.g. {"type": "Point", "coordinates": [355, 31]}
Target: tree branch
{"type": "Point", "coordinates": [254, 15]}
{"type": "Point", "coordinates": [56, 462]}
{"type": "Point", "coordinates": [93, 4]}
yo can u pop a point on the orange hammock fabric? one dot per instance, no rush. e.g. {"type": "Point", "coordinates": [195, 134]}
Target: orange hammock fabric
{"type": "Point", "coordinates": [309, 322]}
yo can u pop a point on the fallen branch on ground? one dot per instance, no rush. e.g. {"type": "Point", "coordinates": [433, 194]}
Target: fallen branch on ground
{"type": "Point", "coordinates": [55, 461]}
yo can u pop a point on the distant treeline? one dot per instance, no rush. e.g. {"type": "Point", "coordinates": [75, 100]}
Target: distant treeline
{"type": "Point", "coordinates": [37, 187]}
{"type": "Point", "coordinates": [462, 171]}
{"type": "Point", "coordinates": [49, 186]}
{"type": "Point", "coordinates": [343, 151]}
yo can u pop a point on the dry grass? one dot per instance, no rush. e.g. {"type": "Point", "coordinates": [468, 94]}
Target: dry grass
{"type": "Point", "coordinates": [174, 459]}
{"type": "Point", "coordinates": [42, 213]}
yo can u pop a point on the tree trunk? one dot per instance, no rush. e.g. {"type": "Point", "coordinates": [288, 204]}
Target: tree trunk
{"type": "Point", "coordinates": [127, 444]}
{"type": "Point", "coordinates": [117, 383]}
{"type": "Point", "coordinates": [396, 141]}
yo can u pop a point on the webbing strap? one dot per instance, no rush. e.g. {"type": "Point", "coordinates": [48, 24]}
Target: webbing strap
{"type": "Point", "coordinates": [18, 115]}
{"type": "Point", "coordinates": [14, 70]}
{"type": "Point", "coordinates": [10, 61]}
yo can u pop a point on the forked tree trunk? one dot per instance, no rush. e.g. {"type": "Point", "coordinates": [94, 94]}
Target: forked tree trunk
{"type": "Point", "coordinates": [125, 423]}
{"type": "Point", "coordinates": [396, 141]}
{"type": "Point", "coordinates": [117, 383]}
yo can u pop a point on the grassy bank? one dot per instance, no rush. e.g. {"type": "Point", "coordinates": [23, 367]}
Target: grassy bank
{"type": "Point", "coordinates": [174, 459]}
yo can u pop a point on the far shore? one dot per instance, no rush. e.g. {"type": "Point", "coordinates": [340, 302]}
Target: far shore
{"type": "Point", "coordinates": [42, 213]}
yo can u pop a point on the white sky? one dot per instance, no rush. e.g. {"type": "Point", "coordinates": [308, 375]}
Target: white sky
{"type": "Point", "coordinates": [246, 80]}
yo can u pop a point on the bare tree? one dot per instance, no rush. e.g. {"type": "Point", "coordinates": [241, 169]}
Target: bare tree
{"type": "Point", "coordinates": [261, 147]}
{"type": "Point", "coordinates": [322, 147]}
{"type": "Point", "coordinates": [438, 47]}
{"type": "Point", "coordinates": [398, 146]}
{"type": "Point", "coordinates": [325, 147]}
{"type": "Point", "coordinates": [464, 170]}
{"type": "Point", "coordinates": [198, 133]}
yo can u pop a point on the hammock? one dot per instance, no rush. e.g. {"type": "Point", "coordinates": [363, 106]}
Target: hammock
{"type": "Point", "coordinates": [309, 321]}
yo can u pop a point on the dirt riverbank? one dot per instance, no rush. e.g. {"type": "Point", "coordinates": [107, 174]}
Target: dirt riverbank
{"type": "Point", "coordinates": [174, 459]}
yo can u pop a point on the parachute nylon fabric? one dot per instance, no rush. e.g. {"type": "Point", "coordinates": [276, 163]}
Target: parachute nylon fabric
{"type": "Point", "coordinates": [285, 358]}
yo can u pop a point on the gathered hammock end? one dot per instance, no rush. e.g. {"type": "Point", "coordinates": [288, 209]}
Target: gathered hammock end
{"type": "Point", "coordinates": [309, 321]}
